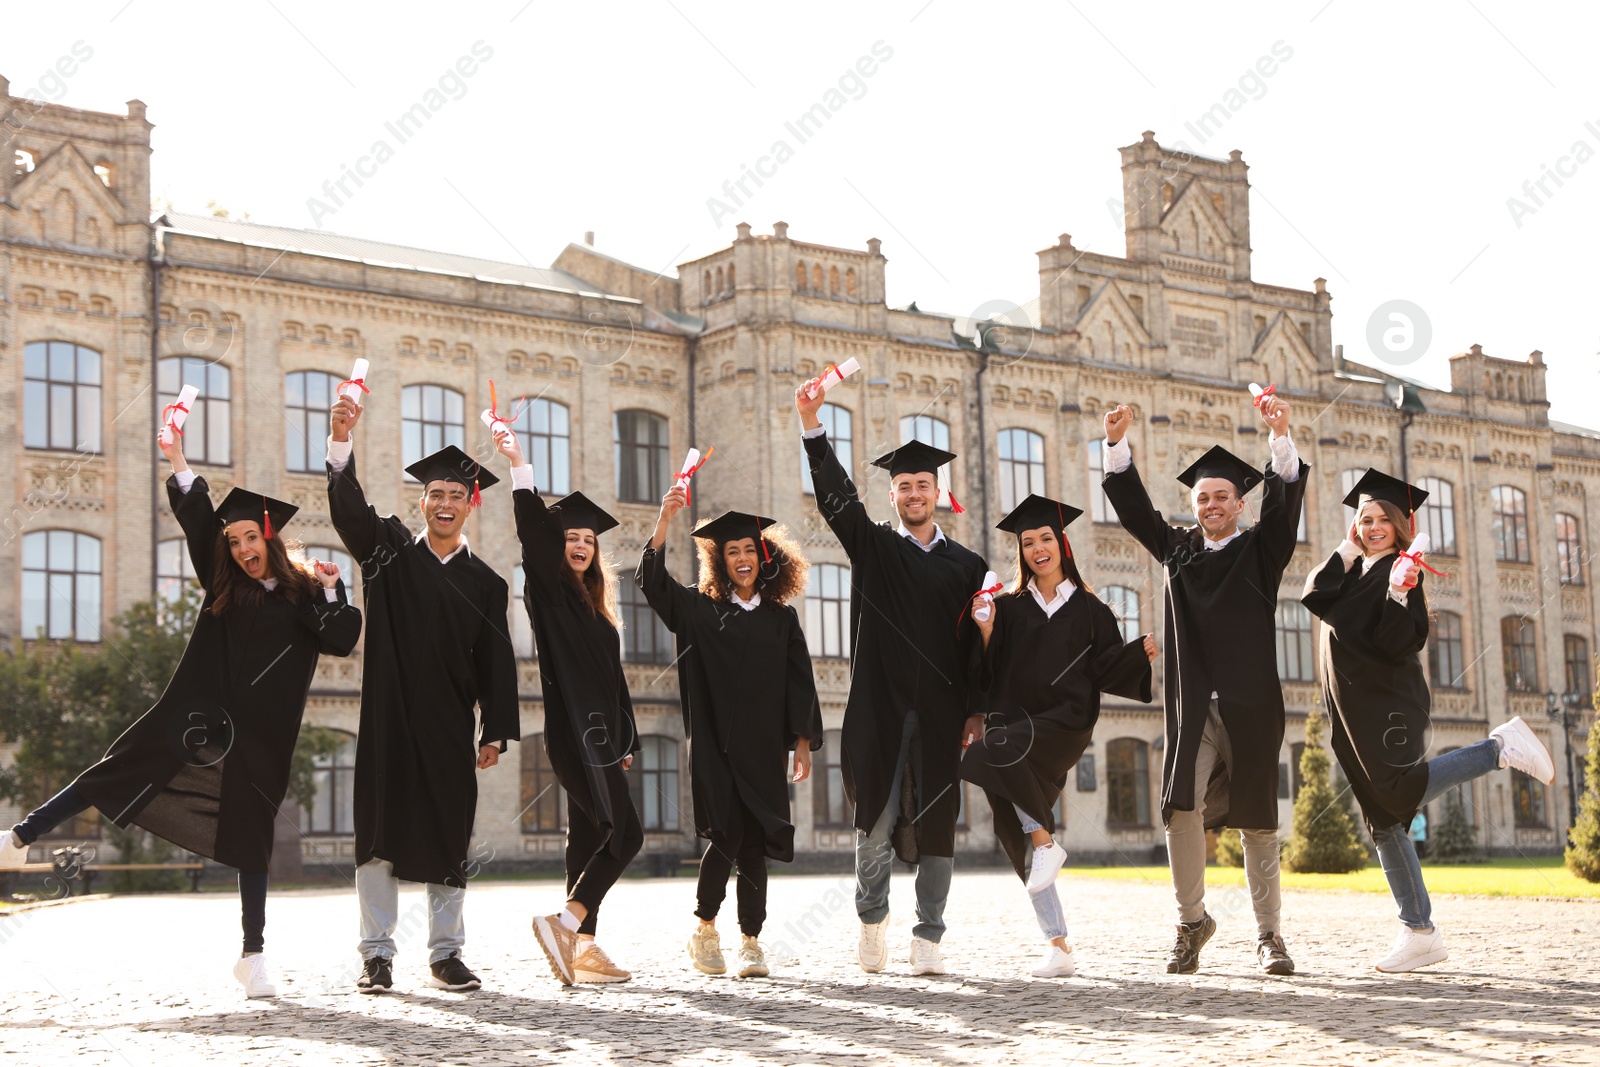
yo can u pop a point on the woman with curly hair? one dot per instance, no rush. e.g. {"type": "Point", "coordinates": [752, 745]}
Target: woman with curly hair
{"type": "Point", "coordinates": [744, 677]}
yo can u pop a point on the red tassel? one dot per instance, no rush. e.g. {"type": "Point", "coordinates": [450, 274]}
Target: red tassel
{"type": "Point", "coordinates": [1067, 545]}
{"type": "Point", "coordinates": [955, 505]}
{"type": "Point", "coordinates": [477, 494]}
{"type": "Point", "coordinates": [266, 524]}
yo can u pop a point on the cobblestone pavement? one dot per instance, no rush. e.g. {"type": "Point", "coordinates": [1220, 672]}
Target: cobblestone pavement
{"type": "Point", "coordinates": [138, 981]}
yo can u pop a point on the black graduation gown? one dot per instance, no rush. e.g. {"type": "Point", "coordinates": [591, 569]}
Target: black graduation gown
{"type": "Point", "coordinates": [912, 649]}
{"type": "Point", "coordinates": [437, 643]}
{"type": "Point", "coordinates": [1373, 684]}
{"type": "Point", "coordinates": [588, 712]}
{"type": "Point", "coordinates": [1221, 637]}
{"type": "Point", "coordinates": [1042, 679]}
{"type": "Point", "coordinates": [208, 765]}
{"type": "Point", "coordinates": [745, 683]}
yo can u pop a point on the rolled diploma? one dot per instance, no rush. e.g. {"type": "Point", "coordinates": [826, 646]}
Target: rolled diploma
{"type": "Point", "coordinates": [1256, 390]}
{"type": "Point", "coordinates": [986, 608]}
{"type": "Point", "coordinates": [351, 390]}
{"type": "Point", "coordinates": [496, 423]}
{"type": "Point", "coordinates": [834, 377]}
{"type": "Point", "coordinates": [1403, 569]}
{"type": "Point", "coordinates": [180, 413]}
{"type": "Point", "coordinates": [688, 465]}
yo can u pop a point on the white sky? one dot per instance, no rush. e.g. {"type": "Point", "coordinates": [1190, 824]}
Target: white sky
{"type": "Point", "coordinates": [1382, 152]}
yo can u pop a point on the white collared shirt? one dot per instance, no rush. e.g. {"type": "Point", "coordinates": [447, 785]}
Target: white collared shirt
{"type": "Point", "coordinates": [462, 547]}
{"type": "Point", "coordinates": [1215, 546]}
{"type": "Point", "coordinates": [938, 535]}
{"type": "Point", "coordinates": [1064, 592]}
{"type": "Point", "coordinates": [748, 605]}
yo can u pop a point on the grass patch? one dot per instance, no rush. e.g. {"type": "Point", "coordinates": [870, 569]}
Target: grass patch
{"type": "Point", "coordinates": [1522, 876]}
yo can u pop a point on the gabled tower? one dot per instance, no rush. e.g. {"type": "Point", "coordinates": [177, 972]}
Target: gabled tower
{"type": "Point", "coordinates": [1195, 209]}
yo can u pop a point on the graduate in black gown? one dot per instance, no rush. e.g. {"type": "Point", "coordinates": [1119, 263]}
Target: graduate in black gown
{"type": "Point", "coordinates": [589, 732]}
{"type": "Point", "coordinates": [207, 767]}
{"type": "Point", "coordinates": [1368, 594]}
{"type": "Point", "coordinates": [438, 643]}
{"type": "Point", "coordinates": [1224, 702]}
{"type": "Point", "coordinates": [749, 699]}
{"type": "Point", "coordinates": [1051, 647]}
{"type": "Point", "coordinates": [911, 704]}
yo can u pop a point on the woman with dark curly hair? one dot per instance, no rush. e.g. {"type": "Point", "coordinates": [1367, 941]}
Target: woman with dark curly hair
{"type": "Point", "coordinates": [744, 677]}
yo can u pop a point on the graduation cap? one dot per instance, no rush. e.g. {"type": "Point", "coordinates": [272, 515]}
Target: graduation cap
{"type": "Point", "coordinates": [450, 464]}
{"type": "Point", "coordinates": [578, 512]}
{"type": "Point", "coordinates": [735, 526]}
{"type": "Point", "coordinates": [1037, 511]}
{"type": "Point", "coordinates": [241, 505]}
{"type": "Point", "coordinates": [1218, 462]}
{"type": "Point", "coordinates": [1376, 485]}
{"type": "Point", "coordinates": [914, 457]}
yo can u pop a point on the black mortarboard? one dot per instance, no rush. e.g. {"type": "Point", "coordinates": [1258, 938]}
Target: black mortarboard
{"type": "Point", "coordinates": [733, 526]}
{"type": "Point", "coordinates": [241, 505]}
{"type": "Point", "coordinates": [1376, 485]}
{"type": "Point", "coordinates": [578, 512]}
{"type": "Point", "coordinates": [1037, 511]}
{"type": "Point", "coordinates": [913, 457]}
{"type": "Point", "coordinates": [1218, 462]}
{"type": "Point", "coordinates": [450, 464]}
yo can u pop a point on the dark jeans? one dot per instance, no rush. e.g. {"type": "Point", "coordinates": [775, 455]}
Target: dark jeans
{"type": "Point", "coordinates": [591, 868]}
{"type": "Point", "coordinates": [750, 850]}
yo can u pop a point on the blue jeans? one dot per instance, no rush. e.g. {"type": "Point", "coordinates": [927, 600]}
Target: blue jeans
{"type": "Point", "coordinates": [65, 805]}
{"type": "Point", "coordinates": [875, 861]}
{"type": "Point", "coordinates": [378, 891]}
{"type": "Point", "coordinates": [1046, 902]}
{"type": "Point", "coordinates": [1396, 852]}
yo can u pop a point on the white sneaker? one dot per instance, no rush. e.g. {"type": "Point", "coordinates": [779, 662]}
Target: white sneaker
{"type": "Point", "coordinates": [13, 853]}
{"type": "Point", "coordinates": [253, 974]}
{"type": "Point", "coordinates": [926, 957]}
{"type": "Point", "coordinates": [1522, 749]}
{"type": "Point", "coordinates": [873, 949]}
{"type": "Point", "coordinates": [1047, 861]}
{"type": "Point", "coordinates": [1413, 949]}
{"type": "Point", "coordinates": [1056, 964]}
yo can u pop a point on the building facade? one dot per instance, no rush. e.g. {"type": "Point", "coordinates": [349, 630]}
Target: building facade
{"type": "Point", "coordinates": [104, 314]}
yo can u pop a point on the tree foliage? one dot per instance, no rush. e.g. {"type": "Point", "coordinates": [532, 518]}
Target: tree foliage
{"type": "Point", "coordinates": [1325, 839]}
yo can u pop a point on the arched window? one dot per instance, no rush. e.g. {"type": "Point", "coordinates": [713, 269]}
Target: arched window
{"type": "Point", "coordinates": [521, 625]}
{"type": "Point", "coordinates": [833, 281]}
{"type": "Point", "coordinates": [828, 610]}
{"type": "Point", "coordinates": [641, 456]}
{"type": "Point", "coordinates": [1446, 652]}
{"type": "Point", "coordinates": [829, 808]}
{"type": "Point", "coordinates": [544, 431]}
{"type": "Point", "coordinates": [61, 585]}
{"type": "Point", "coordinates": [349, 573]}
{"type": "Point", "coordinates": [1580, 682]}
{"type": "Point", "coordinates": [707, 294]}
{"type": "Point", "coordinates": [721, 284]}
{"type": "Point", "coordinates": [654, 782]}
{"type": "Point", "coordinates": [1294, 642]}
{"type": "Point", "coordinates": [174, 569]}
{"type": "Point", "coordinates": [1100, 509]}
{"type": "Point", "coordinates": [731, 285]}
{"type": "Point", "coordinates": [60, 396]}
{"type": "Point", "coordinates": [307, 396]}
{"type": "Point", "coordinates": [207, 432]}
{"type": "Point", "coordinates": [645, 638]}
{"type": "Point", "coordinates": [850, 283]}
{"type": "Point", "coordinates": [800, 276]}
{"type": "Point", "coordinates": [1021, 466]}
{"type": "Point", "coordinates": [836, 423]}
{"type": "Point", "coordinates": [817, 286]}
{"type": "Point", "coordinates": [1528, 800]}
{"type": "Point", "coordinates": [1124, 604]}
{"type": "Point", "coordinates": [543, 800]}
{"type": "Point", "coordinates": [1519, 653]}
{"type": "Point", "coordinates": [930, 431]}
{"type": "Point", "coordinates": [1127, 784]}
{"type": "Point", "coordinates": [1437, 515]}
{"type": "Point", "coordinates": [333, 810]}
{"type": "Point", "coordinates": [431, 416]}
{"type": "Point", "coordinates": [1509, 528]}
{"type": "Point", "coordinates": [1569, 550]}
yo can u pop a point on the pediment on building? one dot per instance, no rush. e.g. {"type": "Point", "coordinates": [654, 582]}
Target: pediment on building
{"type": "Point", "coordinates": [1109, 327]}
{"type": "Point", "coordinates": [1193, 226]}
{"type": "Point", "coordinates": [1285, 355]}
{"type": "Point", "coordinates": [62, 201]}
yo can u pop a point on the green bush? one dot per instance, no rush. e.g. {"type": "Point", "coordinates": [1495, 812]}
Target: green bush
{"type": "Point", "coordinates": [1324, 839]}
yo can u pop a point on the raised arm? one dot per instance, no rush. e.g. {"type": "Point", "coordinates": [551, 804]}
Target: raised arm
{"type": "Point", "coordinates": [190, 500]}
{"type": "Point", "coordinates": [367, 537]}
{"type": "Point", "coordinates": [1126, 491]}
{"type": "Point", "coordinates": [330, 615]}
{"type": "Point", "coordinates": [669, 599]}
{"type": "Point", "coordinates": [538, 529]}
{"type": "Point", "coordinates": [835, 492]}
{"type": "Point", "coordinates": [1285, 490]}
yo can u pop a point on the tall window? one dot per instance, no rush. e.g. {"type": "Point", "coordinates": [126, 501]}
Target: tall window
{"type": "Point", "coordinates": [431, 416]}
{"type": "Point", "coordinates": [829, 809]}
{"type": "Point", "coordinates": [645, 638]}
{"type": "Point", "coordinates": [1446, 652]}
{"type": "Point", "coordinates": [654, 782]}
{"type": "Point", "coordinates": [1569, 552]}
{"type": "Point", "coordinates": [930, 431]}
{"type": "Point", "coordinates": [542, 430]}
{"type": "Point", "coordinates": [1510, 526]}
{"type": "Point", "coordinates": [1347, 481]}
{"type": "Point", "coordinates": [61, 585]}
{"type": "Point", "coordinates": [60, 396]}
{"type": "Point", "coordinates": [542, 798]}
{"type": "Point", "coordinates": [208, 429]}
{"type": "Point", "coordinates": [836, 423]}
{"type": "Point", "coordinates": [641, 455]}
{"type": "Point", "coordinates": [1294, 642]}
{"type": "Point", "coordinates": [1519, 653]}
{"type": "Point", "coordinates": [1021, 466]}
{"type": "Point", "coordinates": [174, 569]}
{"type": "Point", "coordinates": [1580, 681]}
{"type": "Point", "coordinates": [1437, 515]}
{"type": "Point", "coordinates": [521, 625]}
{"type": "Point", "coordinates": [307, 396]}
{"type": "Point", "coordinates": [1124, 604]}
{"type": "Point", "coordinates": [349, 573]}
{"type": "Point", "coordinates": [1100, 509]}
{"type": "Point", "coordinates": [1127, 784]}
{"type": "Point", "coordinates": [333, 811]}
{"type": "Point", "coordinates": [1528, 799]}
{"type": "Point", "coordinates": [828, 610]}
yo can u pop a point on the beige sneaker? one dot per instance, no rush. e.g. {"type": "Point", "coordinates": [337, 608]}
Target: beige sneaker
{"type": "Point", "coordinates": [560, 945]}
{"type": "Point", "coordinates": [592, 965]}
{"type": "Point", "coordinates": [705, 949]}
{"type": "Point", "coordinates": [752, 960]}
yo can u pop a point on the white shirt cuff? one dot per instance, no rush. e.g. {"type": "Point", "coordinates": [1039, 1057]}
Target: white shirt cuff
{"type": "Point", "coordinates": [339, 453]}
{"type": "Point", "coordinates": [522, 477]}
{"type": "Point", "coordinates": [1399, 595]}
{"type": "Point", "coordinates": [331, 595]}
{"type": "Point", "coordinates": [185, 479]}
{"type": "Point", "coordinates": [1285, 458]}
{"type": "Point", "coordinates": [1117, 457]}
{"type": "Point", "coordinates": [815, 431]}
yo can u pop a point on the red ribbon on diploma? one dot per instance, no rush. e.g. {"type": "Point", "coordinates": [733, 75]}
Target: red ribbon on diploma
{"type": "Point", "coordinates": [1268, 391]}
{"type": "Point", "coordinates": [688, 474]}
{"type": "Point", "coordinates": [359, 383]}
{"type": "Point", "coordinates": [993, 589]}
{"type": "Point", "coordinates": [166, 416]}
{"type": "Point", "coordinates": [1416, 557]}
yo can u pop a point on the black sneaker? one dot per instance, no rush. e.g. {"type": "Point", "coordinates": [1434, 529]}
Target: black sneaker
{"type": "Point", "coordinates": [1192, 937]}
{"type": "Point", "coordinates": [451, 973]}
{"type": "Point", "coordinates": [1272, 956]}
{"type": "Point", "coordinates": [377, 976]}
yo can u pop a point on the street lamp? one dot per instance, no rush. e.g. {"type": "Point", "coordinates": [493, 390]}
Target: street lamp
{"type": "Point", "coordinates": [1564, 710]}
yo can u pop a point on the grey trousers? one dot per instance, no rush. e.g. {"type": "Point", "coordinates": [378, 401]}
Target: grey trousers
{"type": "Point", "coordinates": [1186, 843]}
